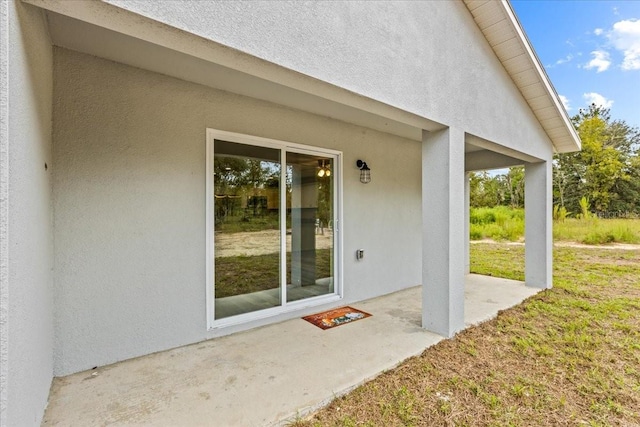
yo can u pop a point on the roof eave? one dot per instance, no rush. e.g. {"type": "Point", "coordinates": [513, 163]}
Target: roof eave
{"type": "Point", "coordinates": [558, 127]}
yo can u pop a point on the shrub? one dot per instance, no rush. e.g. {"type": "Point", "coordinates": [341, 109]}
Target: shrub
{"type": "Point", "coordinates": [498, 223]}
{"type": "Point", "coordinates": [482, 216]}
{"type": "Point", "coordinates": [475, 232]}
{"type": "Point", "coordinates": [585, 208]}
{"type": "Point", "coordinates": [513, 229]}
{"type": "Point", "coordinates": [494, 231]}
{"type": "Point", "coordinates": [502, 217]}
{"type": "Point", "coordinates": [503, 223]}
{"type": "Point", "coordinates": [625, 234]}
{"type": "Point", "coordinates": [598, 238]}
{"type": "Point", "coordinates": [609, 233]}
{"type": "Point", "coordinates": [560, 213]}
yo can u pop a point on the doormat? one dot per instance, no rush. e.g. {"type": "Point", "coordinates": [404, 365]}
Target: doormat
{"type": "Point", "coordinates": [336, 317]}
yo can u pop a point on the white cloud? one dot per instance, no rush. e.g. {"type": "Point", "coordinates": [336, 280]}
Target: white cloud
{"type": "Point", "coordinates": [565, 101]}
{"type": "Point", "coordinates": [598, 31]}
{"type": "Point", "coordinates": [564, 60]}
{"type": "Point", "coordinates": [600, 61]}
{"type": "Point", "coordinates": [561, 61]}
{"type": "Point", "coordinates": [599, 100]}
{"type": "Point", "coordinates": [625, 37]}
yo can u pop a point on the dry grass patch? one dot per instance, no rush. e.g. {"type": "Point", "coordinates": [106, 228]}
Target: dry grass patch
{"type": "Point", "coordinates": [568, 356]}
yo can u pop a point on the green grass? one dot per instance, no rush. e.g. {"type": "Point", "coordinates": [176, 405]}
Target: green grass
{"type": "Point", "coordinates": [567, 356]}
{"type": "Point", "coordinates": [596, 231]}
{"type": "Point", "coordinates": [245, 274]}
{"type": "Point", "coordinates": [502, 223]}
{"type": "Point", "coordinates": [499, 223]}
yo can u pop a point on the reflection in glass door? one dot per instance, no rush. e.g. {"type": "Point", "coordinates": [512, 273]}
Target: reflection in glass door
{"type": "Point", "coordinates": [309, 226]}
{"type": "Point", "coordinates": [247, 228]}
{"type": "Point", "coordinates": [272, 223]}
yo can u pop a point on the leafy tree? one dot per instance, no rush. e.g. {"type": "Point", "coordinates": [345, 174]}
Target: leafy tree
{"type": "Point", "coordinates": [229, 174]}
{"type": "Point", "coordinates": [605, 171]}
{"type": "Point", "coordinates": [484, 190]}
{"type": "Point", "coordinates": [628, 191]}
{"type": "Point", "coordinates": [488, 190]}
{"type": "Point", "coordinates": [514, 184]}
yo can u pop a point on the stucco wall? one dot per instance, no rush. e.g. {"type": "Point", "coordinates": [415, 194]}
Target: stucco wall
{"type": "Point", "coordinates": [129, 199]}
{"type": "Point", "coordinates": [427, 57]}
{"type": "Point", "coordinates": [27, 252]}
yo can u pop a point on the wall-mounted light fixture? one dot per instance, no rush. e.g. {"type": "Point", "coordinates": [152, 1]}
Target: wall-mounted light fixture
{"type": "Point", "coordinates": [365, 172]}
{"type": "Point", "coordinates": [323, 170]}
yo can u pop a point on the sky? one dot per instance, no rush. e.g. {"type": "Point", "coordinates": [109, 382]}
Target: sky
{"type": "Point", "coordinates": [590, 49]}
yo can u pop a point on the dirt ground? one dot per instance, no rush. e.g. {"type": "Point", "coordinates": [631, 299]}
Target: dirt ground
{"type": "Point", "coordinates": [260, 242]}
{"type": "Point", "coordinates": [268, 241]}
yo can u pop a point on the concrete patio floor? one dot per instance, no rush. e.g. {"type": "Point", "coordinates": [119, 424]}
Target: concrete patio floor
{"type": "Point", "coordinates": [267, 375]}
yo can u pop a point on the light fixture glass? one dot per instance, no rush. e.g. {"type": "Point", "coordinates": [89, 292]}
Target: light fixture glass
{"type": "Point", "coordinates": [365, 172]}
{"type": "Point", "coordinates": [323, 170]}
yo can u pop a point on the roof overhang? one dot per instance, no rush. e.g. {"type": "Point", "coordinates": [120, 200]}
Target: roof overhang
{"type": "Point", "coordinates": [108, 31]}
{"type": "Point", "coordinates": [501, 28]}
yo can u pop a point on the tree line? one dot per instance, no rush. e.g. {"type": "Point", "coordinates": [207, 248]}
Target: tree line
{"type": "Point", "coordinates": [605, 175]}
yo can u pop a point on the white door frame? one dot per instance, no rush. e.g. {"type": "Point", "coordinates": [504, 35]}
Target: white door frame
{"type": "Point", "coordinates": [284, 147]}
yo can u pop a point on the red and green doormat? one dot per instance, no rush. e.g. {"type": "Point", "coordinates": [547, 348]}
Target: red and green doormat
{"type": "Point", "coordinates": [335, 317]}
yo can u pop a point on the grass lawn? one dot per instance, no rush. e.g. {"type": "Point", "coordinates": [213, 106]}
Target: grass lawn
{"type": "Point", "coordinates": [245, 274]}
{"type": "Point", "coordinates": [567, 356]}
{"type": "Point", "coordinates": [503, 223]}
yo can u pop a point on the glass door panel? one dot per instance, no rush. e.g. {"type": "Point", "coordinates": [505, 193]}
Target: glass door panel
{"type": "Point", "coordinates": [310, 220]}
{"type": "Point", "coordinates": [247, 228]}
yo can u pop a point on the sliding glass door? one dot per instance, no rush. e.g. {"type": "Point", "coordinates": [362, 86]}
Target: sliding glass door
{"type": "Point", "coordinates": [247, 228]}
{"type": "Point", "coordinates": [272, 224]}
{"type": "Point", "coordinates": [309, 226]}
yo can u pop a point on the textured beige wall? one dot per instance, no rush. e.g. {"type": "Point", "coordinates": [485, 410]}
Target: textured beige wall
{"type": "Point", "coordinates": [426, 57]}
{"type": "Point", "coordinates": [26, 295]}
{"type": "Point", "coordinates": [129, 200]}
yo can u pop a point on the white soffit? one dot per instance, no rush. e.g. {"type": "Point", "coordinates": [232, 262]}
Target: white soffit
{"type": "Point", "coordinates": [499, 24]}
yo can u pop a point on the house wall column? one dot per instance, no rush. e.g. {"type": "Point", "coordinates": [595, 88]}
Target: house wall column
{"type": "Point", "coordinates": [443, 239]}
{"type": "Point", "coordinates": [538, 225]}
{"type": "Point", "coordinates": [26, 232]}
{"type": "Point", "coordinates": [467, 207]}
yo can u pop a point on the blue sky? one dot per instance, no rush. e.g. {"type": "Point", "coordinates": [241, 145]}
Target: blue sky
{"type": "Point", "coordinates": [590, 50]}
